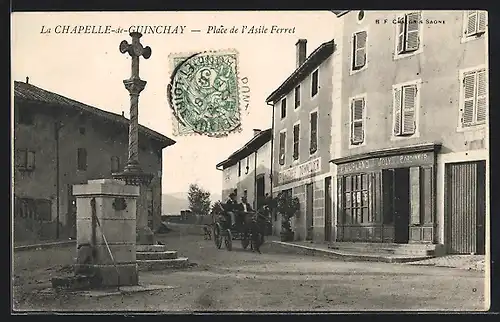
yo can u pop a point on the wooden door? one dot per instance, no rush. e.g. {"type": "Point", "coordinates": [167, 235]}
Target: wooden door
{"type": "Point", "coordinates": [465, 207]}
{"type": "Point", "coordinates": [328, 209]}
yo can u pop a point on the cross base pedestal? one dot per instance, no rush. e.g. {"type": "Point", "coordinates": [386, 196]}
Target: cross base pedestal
{"type": "Point", "coordinates": [144, 234]}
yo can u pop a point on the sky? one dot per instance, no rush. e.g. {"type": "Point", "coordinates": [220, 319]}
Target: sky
{"type": "Point", "coordinates": [89, 68]}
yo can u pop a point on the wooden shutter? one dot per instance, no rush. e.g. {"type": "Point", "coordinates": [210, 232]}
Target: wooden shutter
{"type": "Point", "coordinates": [401, 36]}
{"type": "Point", "coordinates": [314, 133]}
{"type": "Point", "coordinates": [412, 31]}
{"type": "Point", "coordinates": [482, 96]}
{"type": "Point", "coordinates": [296, 135]}
{"type": "Point", "coordinates": [30, 160]}
{"type": "Point", "coordinates": [359, 53]}
{"type": "Point", "coordinates": [282, 148]}
{"type": "Point", "coordinates": [427, 194]}
{"type": "Point", "coordinates": [415, 196]}
{"type": "Point", "coordinates": [21, 158]}
{"type": "Point", "coordinates": [481, 21]}
{"type": "Point", "coordinates": [469, 84]}
{"type": "Point", "coordinates": [397, 111]}
{"type": "Point", "coordinates": [297, 96]}
{"type": "Point", "coordinates": [471, 27]}
{"type": "Point", "coordinates": [409, 109]}
{"type": "Point", "coordinates": [357, 126]}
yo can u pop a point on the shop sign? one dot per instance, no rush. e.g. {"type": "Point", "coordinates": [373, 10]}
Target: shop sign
{"type": "Point", "coordinates": [299, 172]}
{"type": "Point", "coordinates": [395, 161]}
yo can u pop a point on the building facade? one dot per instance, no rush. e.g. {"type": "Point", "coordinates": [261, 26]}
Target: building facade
{"type": "Point", "coordinates": [412, 165]}
{"type": "Point", "coordinates": [59, 142]}
{"type": "Point", "coordinates": [248, 169]}
{"type": "Point", "coordinates": [303, 109]}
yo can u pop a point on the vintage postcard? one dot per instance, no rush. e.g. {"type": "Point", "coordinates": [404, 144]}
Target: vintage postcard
{"type": "Point", "coordinates": [312, 161]}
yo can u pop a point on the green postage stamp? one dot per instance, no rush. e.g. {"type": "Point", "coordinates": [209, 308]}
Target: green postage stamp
{"type": "Point", "coordinates": [204, 93]}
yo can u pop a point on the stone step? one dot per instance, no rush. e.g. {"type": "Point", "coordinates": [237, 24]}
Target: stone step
{"type": "Point", "coordinates": [169, 254]}
{"type": "Point", "coordinates": [150, 248]}
{"type": "Point", "coordinates": [387, 248]}
{"type": "Point", "coordinates": [161, 264]}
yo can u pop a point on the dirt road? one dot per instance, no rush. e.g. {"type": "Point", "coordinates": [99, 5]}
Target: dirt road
{"type": "Point", "coordinates": [242, 280]}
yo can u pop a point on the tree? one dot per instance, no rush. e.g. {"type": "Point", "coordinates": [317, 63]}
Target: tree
{"type": "Point", "coordinates": [199, 200]}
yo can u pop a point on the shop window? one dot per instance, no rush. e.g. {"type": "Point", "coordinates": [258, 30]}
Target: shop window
{"type": "Point", "coordinates": [356, 205]}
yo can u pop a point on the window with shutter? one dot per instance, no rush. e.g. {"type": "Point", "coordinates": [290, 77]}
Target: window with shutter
{"type": "Point", "coordinates": [357, 120]}
{"type": "Point", "coordinates": [397, 111]}
{"type": "Point", "coordinates": [482, 97]}
{"type": "Point", "coordinates": [475, 23]}
{"type": "Point", "coordinates": [282, 148]}
{"type": "Point", "coordinates": [314, 83]}
{"type": "Point", "coordinates": [82, 159]}
{"type": "Point", "coordinates": [408, 33]}
{"type": "Point", "coordinates": [283, 108]}
{"type": "Point", "coordinates": [21, 159]}
{"type": "Point", "coordinates": [408, 110]}
{"type": "Point", "coordinates": [405, 110]}
{"type": "Point", "coordinates": [359, 50]}
{"type": "Point", "coordinates": [475, 98]}
{"type": "Point", "coordinates": [247, 168]}
{"type": "Point", "coordinates": [239, 168]}
{"type": "Point", "coordinates": [296, 136]}
{"type": "Point", "coordinates": [313, 144]}
{"type": "Point", "coordinates": [30, 160]}
{"type": "Point", "coordinates": [297, 96]}
{"type": "Point", "coordinates": [115, 164]}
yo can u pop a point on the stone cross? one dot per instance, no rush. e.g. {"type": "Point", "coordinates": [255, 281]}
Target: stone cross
{"type": "Point", "coordinates": [134, 85]}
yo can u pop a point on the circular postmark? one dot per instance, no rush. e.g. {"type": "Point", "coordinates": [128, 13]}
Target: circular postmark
{"type": "Point", "coordinates": [203, 93]}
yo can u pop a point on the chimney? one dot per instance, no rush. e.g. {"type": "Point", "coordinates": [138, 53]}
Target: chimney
{"type": "Point", "coordinates": [256, 132]}
{"type": "Point", "coordinates": [301, 50]}
{"type": "Point", "coordinates": [27, 80]}
{"type": "Point", "coordinates": [123, 113]}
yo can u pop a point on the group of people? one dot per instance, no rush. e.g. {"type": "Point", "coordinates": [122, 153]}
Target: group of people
{"type": "Point", "coordinates": [235, 210]}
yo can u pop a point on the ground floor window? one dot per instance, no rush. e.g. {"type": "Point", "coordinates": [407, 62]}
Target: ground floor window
{"type": "Point", "coordinates": [355, 205]}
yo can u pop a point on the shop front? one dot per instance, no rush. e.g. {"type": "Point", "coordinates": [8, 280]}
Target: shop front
{"type": "Point", "coordinates": [388, 196]}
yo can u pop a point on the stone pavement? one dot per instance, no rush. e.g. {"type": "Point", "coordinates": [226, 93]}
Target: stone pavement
{"type": "Point", "coordinates": [469, 262]}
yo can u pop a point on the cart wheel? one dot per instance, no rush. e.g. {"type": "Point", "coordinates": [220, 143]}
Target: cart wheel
{"type": "Point", "coordinates": [217, 236]}
{"type": "Point", "coordinates": [245, 240]}
{"type": "Point", "coordinates": [229, 240]}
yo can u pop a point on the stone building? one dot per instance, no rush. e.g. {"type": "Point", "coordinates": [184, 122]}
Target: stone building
{"type": "Point", "coordinates": [248, 169]}
{"type": "Point", "coordinates": [303, 109]}
{"type": "Point", "coordinates": [59, 142]}
{"type": "Point", "coordinates": [413, 161]}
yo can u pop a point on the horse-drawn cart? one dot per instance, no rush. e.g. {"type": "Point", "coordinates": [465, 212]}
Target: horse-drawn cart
{"type": "Point", "coordinates": [249, 229]}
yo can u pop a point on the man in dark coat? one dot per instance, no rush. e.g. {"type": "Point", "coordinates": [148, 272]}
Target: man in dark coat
{"type": "Point", "coordinates": [230, 206]}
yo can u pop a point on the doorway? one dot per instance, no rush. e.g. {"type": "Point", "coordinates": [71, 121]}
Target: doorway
{"type": "Point", "coordinates": [466, 207]}
{"type": "Point", "coordinates": [396, 194]}
{"type": "Point", "coordinates": [309, 211]}
{"type": "Point", "coordinates": [401, 205]}
{"type": "Point", "coordinates": [328, 209]}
